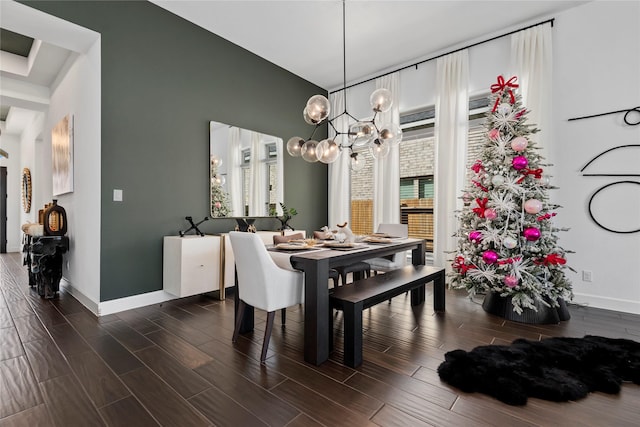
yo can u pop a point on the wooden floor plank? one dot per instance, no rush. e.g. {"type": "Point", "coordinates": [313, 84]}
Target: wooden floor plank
{"type": "Point", "coordinates": [45, 359]}
{"type": "Point", "coordinates": [34, 416]}
{"type": "Point", "coordinates": [161, 400]}
{"type": "Point", "coordinates": [223, 411]}
{"type": "Point", "coordinates": [259, 401]}
{"type": "Point", "coordinates": [325, 386]}
{"type": "Point", "coordinates": [183, 380]}
{"type": "Point", "coordinates": [129, 337]}
{"type": "Point", "coordinates": [114, 354]}
{"type": "Point", "coordinates": [187, 354]}
{"type": "Point", "coordinates": [318, 407]}
{"type": "Point", "coordinates": [127, 412]}
{"type": "Point", "coordinates": [100, 383]}
{"type": "Point", "coordinates": [18, 388]}
{"type": "Point", "coordinates": [68, 404]}
{"type": "Point", "coordinates": [10, 344]}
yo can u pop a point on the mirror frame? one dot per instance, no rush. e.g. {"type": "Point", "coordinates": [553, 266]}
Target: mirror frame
{"type": "Point", "coordinates": [227, 158]}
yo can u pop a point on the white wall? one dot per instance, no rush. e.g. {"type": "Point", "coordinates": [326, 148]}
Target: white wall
{"type": "Point", "coordinates": [78, 94]}
{"type": "Point", "coordinates": [11, 144]}
{"type": "Point", "coordinates": [597, 70]}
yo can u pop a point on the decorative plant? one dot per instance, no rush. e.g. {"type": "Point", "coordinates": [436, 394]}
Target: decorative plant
{"type": "Point", "coordinates": [287, 215]}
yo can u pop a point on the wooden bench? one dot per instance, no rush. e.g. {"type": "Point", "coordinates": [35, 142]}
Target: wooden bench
{"type": "Point", "coordinates": [365, 293]}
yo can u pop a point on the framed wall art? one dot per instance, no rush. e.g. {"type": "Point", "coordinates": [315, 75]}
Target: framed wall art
{"type": "Point", "coordinates": [62, 156]}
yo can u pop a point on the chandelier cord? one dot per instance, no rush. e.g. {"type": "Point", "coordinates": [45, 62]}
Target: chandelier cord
{"type": "Point", "coordinates": [344, 54]}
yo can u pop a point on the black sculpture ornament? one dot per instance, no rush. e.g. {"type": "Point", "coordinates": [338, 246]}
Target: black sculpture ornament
{"type": "Point", "coordinates": [193, 226]}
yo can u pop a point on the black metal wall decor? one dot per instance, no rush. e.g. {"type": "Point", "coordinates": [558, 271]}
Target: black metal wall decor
{"type": "Point", "coordinates": [610, 185]}
{"type": "Point", "coordinates": [193, 226]}
{"type": "Point", "coordinates": [631, 116]}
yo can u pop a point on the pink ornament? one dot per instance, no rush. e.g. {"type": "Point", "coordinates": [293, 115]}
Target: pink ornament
{"type": "Point", "coordinates": [218, 205]}
{"type": "Point", "coordinates": [533, 206]}
{"type": "Point", "coordinates": [510, 281]}
{"type": "Point", "coordinates": [494, 134]}
{"type": "Point", "coordinates": [475, 236]}
{"type": "Point", "coordinates": [531, 234]}
{"type": "Point", "coordinates": [490, 214]}
{"type": "Point", "coordinates": [466, 197]}
{"type": "Point", "coordinates": [519, 143]}
{"type": "Point", "coordinates": [490, 257]}
{"type": "Point", "coordinates": [519, 162]}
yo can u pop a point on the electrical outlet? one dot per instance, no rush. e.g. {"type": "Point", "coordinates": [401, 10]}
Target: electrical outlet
{"type": "Point", "coordinates": [586, 276]}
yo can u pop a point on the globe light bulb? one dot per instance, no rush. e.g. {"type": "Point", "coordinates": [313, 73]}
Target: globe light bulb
{"type": "Point", "coordinates": [390, 133]}
{"type": "Point", "coordinates": [219, 180]}
{"type": "Point", "coordinates": [309, 151]}
{"type": "Point", "coordinates": [216, 161]}
{"type": "Point", "coordinates": [357, 163]}
{"type": "Point", "coordinates": [318, 108]}
{"type": "Point", "coordinates": [379, 149]}
{"type": "Point", "coordinates": [362, 133]}
{"type": "Point", "coordinates": [329, 150]}
{"type": "Point", "coordinates": [381, 100]}
{"type": "Point", "coordinates": [294, 146]}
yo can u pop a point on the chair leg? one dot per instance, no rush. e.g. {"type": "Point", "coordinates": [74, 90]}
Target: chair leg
{"type": "Point", "coordinates": [267, 335]}
{"type": "Point", "coordinates": [240, 314]}
{"type": "Point", "coordinates": [284, 316]}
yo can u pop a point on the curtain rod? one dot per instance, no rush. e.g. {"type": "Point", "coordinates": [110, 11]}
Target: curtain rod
{"type": "Point", "coordinates": [444, 54]}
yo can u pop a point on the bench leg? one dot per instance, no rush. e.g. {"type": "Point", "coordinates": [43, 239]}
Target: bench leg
{"type": "Point", "coordinates": [438, 293]}
{"type": "Point", "coordinates": [417, 295]}
{"type": "Point", "coordinates": [353, 335]}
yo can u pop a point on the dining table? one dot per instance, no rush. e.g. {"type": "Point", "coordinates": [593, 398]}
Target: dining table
{"type": "Point", "coordinates": [316, 262]}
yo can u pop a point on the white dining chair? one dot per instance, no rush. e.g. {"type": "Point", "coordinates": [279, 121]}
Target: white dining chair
{"type": "Point", "coordinates": [262, 284]}
{"type": "Point", "coordinates": [397, 260]}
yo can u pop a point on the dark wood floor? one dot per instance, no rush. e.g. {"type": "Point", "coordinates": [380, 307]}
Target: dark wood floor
{"type": "Point", "coordinates": [174, 364]}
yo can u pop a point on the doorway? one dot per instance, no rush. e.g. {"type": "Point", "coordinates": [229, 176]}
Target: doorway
{"type": "Point", "coordinates": [3, 210]}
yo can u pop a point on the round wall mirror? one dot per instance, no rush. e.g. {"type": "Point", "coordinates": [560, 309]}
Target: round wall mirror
{"type": "Point", "coordinates": [26, 190]}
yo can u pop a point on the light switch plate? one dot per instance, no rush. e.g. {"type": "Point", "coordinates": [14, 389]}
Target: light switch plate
{"type": "Point", "coordinates": [117, 195]}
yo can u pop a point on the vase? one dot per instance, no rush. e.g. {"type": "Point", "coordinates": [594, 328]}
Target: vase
{"type": "Point", "coordinates": [55, 220]}
{"type": "Point", "coordinates": [502, 306]}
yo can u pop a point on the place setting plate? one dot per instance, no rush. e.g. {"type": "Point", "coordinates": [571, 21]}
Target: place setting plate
{"type": "Point", "coordinates": [343, 246]}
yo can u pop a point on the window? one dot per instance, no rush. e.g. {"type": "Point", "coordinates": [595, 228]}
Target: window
{"type": "Point", "coordinates": [416, 171]}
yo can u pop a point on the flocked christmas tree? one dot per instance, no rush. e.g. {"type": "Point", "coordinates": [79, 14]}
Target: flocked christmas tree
{"type": "Point", "coordinates": [219, 197]}
{"type": "Point", "coordinates": [507, 242]}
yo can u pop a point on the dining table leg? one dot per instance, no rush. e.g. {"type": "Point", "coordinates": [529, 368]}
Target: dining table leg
{"type": "Point", "coordinates": [316, 308]}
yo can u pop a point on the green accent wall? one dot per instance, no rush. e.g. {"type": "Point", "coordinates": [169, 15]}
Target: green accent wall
{"type": "Point", "coordinates": [163, 80]}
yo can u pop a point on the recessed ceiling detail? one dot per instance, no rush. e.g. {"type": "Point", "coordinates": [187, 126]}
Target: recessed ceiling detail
{"type": "Point", "coordinates": [15, 43]}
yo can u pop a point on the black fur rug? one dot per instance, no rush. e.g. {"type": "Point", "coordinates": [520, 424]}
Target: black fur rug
{"type": "Point", "coordinates": [556, 369]}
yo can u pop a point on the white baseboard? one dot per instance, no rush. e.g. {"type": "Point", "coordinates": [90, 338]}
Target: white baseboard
{"type": "Point", "coordinates": [116, 305]}
{"type": "Point", "coordinates": [615, 304]}
{"type": "Point", "coordinates": [135, 301]}
{"type": "Point", "coordinates": [92, 305]}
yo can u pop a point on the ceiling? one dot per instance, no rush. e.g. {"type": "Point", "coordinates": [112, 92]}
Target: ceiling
{"type": "Point", "coordinates": [305, 36]}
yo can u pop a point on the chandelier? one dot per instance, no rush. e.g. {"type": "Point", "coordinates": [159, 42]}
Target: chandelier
{"type": "Point", "coordinates": [361, 135]}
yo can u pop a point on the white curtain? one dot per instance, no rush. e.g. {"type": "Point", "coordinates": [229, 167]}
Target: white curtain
{"type": "Point", "coordinates": [257, 184]}
{"type": "Point", "coordinates": [339, 182]}
{"type": "Point", "coordinates": [451, 134]}
{"type": "Point", "coordinates": [234, 178]}
{"type": "Point", "coordinates": [531, 58]}
{"type": "Point", "coordinates": [386, 171]}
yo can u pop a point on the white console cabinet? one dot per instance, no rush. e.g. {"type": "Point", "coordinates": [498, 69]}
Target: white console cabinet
{"type": "Point", "coordinates": [191, 264]}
